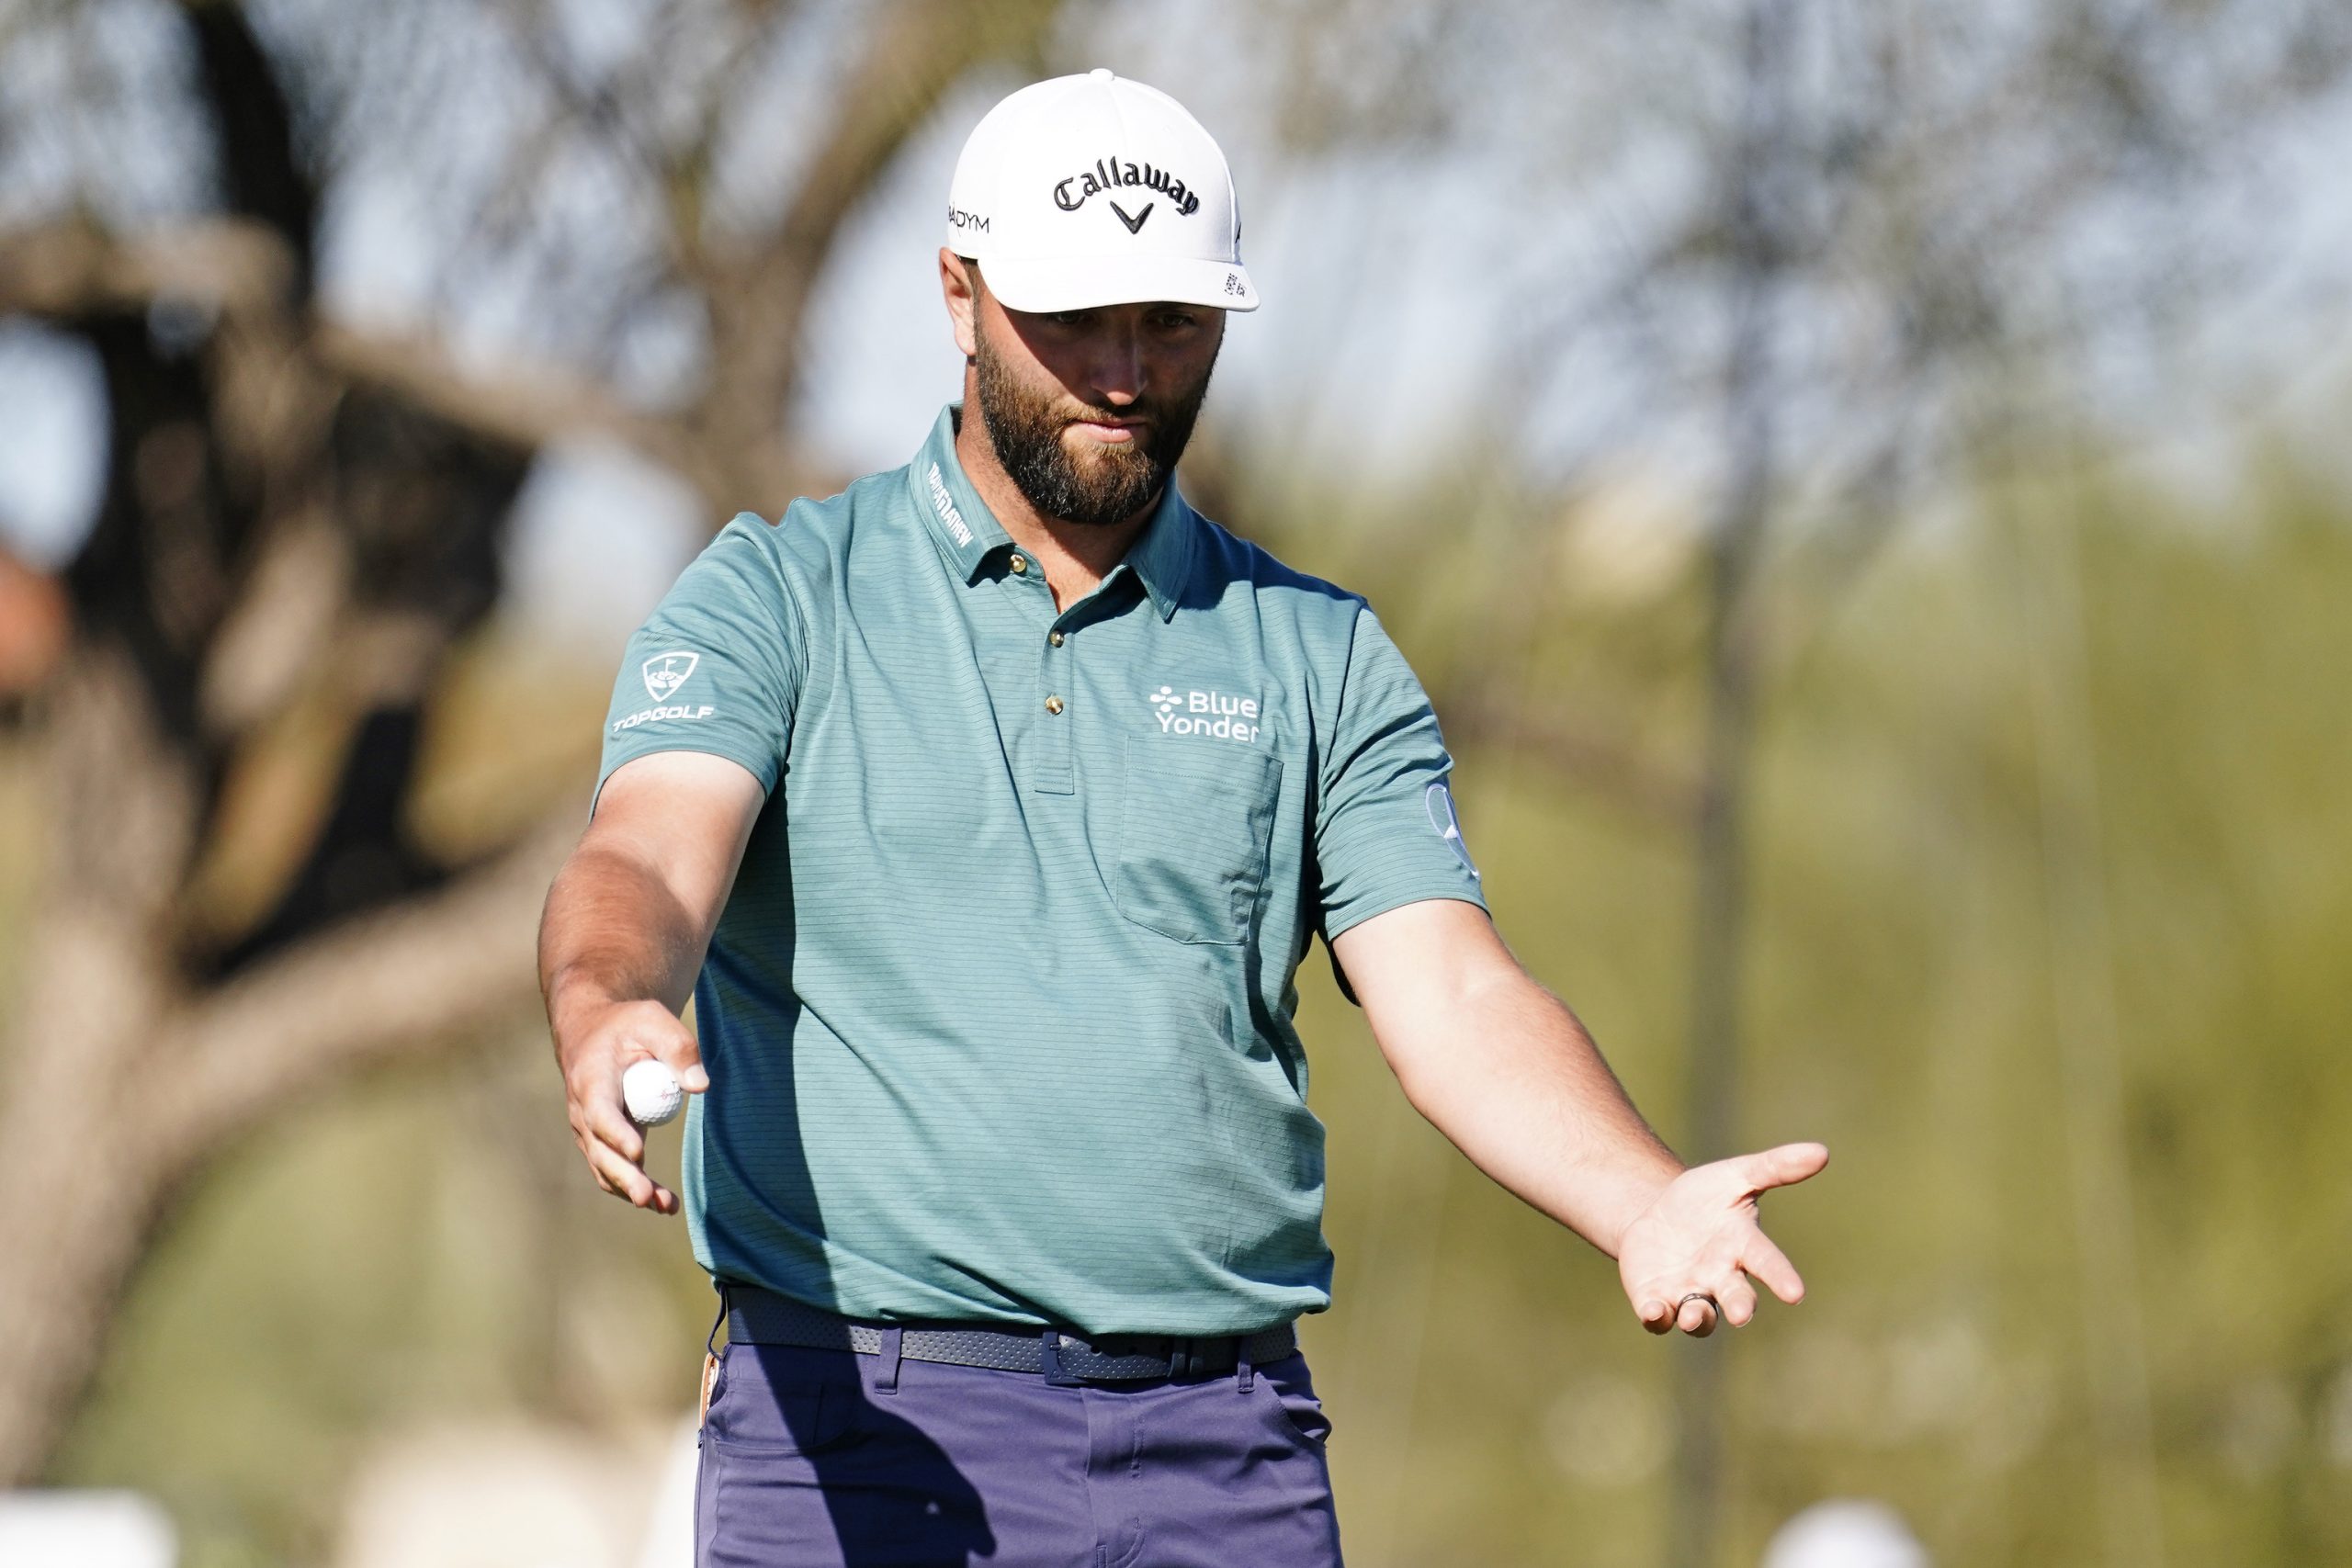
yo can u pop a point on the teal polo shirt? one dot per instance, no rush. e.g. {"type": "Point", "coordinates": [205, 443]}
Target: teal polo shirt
{"type": "Point", "coordinates": [998, 1015]}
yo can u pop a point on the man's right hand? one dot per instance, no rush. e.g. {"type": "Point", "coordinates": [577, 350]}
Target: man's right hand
{"type": "Point", "coordinates": [625, 930]}
{"type": "Point", "coordinates": [603, 1044]}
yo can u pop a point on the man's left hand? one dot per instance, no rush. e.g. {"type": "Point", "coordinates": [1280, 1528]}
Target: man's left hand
{"type": "Point", "coordinates": [1690, 1254]}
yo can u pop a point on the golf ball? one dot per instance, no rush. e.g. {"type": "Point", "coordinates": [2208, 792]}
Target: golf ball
{"type": "Point", "coordinates": [651, 1091]}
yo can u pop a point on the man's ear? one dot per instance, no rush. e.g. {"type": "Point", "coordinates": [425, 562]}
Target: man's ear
{"type": "Point", "coordinates": [959, 284]}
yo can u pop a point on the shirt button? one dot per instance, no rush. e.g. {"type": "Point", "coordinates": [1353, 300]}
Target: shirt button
{"type": "Point", "coordinates": [1053, 704]}
{"type": "Point", "coordinates": [1054, 637]}
{"type": "Point", "coordinates": [1020, 563]}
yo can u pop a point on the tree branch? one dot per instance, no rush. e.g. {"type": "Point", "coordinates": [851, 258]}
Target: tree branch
{"type": "Point", "coordinates": [760, 299]}
{"type": "Point", "coordinates": [427, 974]}
{"type": "Point", "coordinates": [76, 268]}
{"type": "Point", "coordinates": [72, 269]}
{"type": "Point", "coordinates": [524, 408]}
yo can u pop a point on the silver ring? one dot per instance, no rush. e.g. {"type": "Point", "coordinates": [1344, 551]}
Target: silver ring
{"type": "Point", "coordinates": [1699, 1296]}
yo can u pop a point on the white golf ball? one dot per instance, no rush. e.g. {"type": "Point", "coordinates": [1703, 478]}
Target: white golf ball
{"type": "Point", "coordinates": [651, 1091]}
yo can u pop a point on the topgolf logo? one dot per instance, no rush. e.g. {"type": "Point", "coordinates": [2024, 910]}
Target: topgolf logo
{"type": "Point", "coordinates": [1210, 714]}
{"type": "Point", "coordinates": [665, 672]}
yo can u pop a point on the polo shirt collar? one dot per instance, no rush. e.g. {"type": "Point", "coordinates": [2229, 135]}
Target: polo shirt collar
{"type": "Point", "coordinates": [1162, 555]}
{"type": "Point", "coordinates": [969, 533]}
{"type": "Point", "coordinates": [966, 529]}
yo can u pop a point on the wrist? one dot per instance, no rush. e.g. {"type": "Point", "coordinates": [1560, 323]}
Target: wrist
{"type": "Point", "coordinates": [576, 1003]}
{"type": "Point", "coordinates": [1638, 1196]}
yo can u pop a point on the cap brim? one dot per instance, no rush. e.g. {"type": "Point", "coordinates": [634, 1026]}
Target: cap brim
{"type": "Point", "coordinates": [1038, 284]}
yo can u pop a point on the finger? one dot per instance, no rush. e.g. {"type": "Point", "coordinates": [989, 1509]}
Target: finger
{"type": "Point", "coordinates": [608, 1122]}
{"type": "Point", "coordinates": [1737, 1298]}
{"type": "Point", "coordinates": [1657, 1314]}
{"type": "Point", "coordinates": [625, 1180]}
{"type": "Point", "coordinates": [634, 1185]}
{"type": "Point", "coordinates": [588, 1147]}
{"type": "Point", "coordinates": [1781, 1166]}
{"type": "Point", "coordinates": [1697, 1318]}
{"type": "Point", "coordinates": [1769, 1264]}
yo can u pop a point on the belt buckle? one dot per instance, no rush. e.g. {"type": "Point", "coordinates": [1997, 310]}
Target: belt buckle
{"type": "Point", "coordinates": [1186, 1360]}
{"type": "Point", "coordinates": [1049, 1355]}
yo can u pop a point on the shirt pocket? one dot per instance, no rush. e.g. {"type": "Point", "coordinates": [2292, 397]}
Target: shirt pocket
{"type": "Point", "coordinates": [1196, 820]}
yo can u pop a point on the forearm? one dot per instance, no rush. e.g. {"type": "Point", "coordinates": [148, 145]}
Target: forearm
{"type": "Point", "coordinates": [614, 930]}
{"type": "Point", "coordinates": [1506, 1072]}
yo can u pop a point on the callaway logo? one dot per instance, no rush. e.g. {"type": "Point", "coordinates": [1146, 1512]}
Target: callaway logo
{"type": "Point", "coordinates": [1109, 174]}
{"type": "Point", "coordinates": [1210, 714]}
{"type": "Point", "coordinates": [1438, 801]}
{"type": "Point", "coordinates": [665, 672]}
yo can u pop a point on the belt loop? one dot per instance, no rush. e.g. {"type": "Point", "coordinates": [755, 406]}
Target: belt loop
{"type": "Point", "coordinates": [1243, 1373]}
{"type": "Point", "coordinates": [885, 1377]}
{"type": "Point", "coordinates": [710, 1340]}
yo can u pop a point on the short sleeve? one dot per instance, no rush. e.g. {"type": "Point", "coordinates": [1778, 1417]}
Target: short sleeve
{"type": "Point", "coordinates": [1386, 830]}
{"type": "Point", "coordinates": [717, 666]}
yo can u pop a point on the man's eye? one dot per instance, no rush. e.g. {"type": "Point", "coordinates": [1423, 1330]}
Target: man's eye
{"type": "Point", "coordinates": [1173, 320]}
{"type": "Point", "coordinates": [1068, 318]}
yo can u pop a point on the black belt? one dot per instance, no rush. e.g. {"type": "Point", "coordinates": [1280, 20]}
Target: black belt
{"type": "Point", "coordinates": [755, 1317]}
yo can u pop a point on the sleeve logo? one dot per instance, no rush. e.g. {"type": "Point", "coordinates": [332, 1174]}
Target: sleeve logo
{"type": "Point", "coordinates": [665, 672]}
{"type": "Point", "coordinates": [1438, 801]}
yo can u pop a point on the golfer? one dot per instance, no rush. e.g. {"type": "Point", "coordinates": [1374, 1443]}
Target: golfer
{"type": "Point", "coordinates": [986, 811]}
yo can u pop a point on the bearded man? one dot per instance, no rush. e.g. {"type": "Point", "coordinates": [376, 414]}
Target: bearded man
{"type": "Point", "coordinates": [986, 810]}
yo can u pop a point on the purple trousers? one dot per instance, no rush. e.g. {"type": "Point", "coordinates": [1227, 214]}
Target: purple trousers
{"type": "Point", "coordinates": [820, 1459]}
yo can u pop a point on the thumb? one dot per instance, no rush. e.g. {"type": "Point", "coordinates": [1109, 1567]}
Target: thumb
{"type": "Point", "coordinates": [684, 1056]}
{"type": "Point", "coordinates": [1782, 1166]}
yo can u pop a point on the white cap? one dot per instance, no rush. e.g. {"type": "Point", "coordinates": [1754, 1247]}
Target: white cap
{"type": "Point", "coordinates": [1095, 190]}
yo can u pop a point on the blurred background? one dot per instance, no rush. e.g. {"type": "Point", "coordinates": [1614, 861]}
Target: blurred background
{"type": "Point", "coordinates": [1862, 479]}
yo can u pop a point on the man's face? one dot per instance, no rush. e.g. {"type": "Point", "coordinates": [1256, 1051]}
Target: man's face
{"type": "Point", "coordinates": [1088, 411]}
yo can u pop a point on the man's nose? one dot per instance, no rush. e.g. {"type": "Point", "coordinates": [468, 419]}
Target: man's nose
{"type": "Point", "coordinates": [1117, 364]}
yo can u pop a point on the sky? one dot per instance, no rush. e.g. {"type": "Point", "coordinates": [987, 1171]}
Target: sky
{"type": "Point", "coordinates": [1397, 278]}
{"type": "Point", "coordinates": [596, 524]}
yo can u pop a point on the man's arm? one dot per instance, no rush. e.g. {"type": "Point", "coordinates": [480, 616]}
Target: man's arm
{"type": "Point", "coordinates": [623, 936]}
{"type": "Point", "coordinates": [1502, 1067]}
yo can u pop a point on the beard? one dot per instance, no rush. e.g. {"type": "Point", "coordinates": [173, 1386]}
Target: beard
{"type": "Point", "coordinates": [1112, 483]}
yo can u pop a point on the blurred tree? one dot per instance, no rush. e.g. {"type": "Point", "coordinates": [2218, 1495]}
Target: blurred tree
{"type": "Point", "coordinates": [1998, 209]}
{"type": "Point", "coordinates": [1820, 260]}
{"type": "Point", "coordinates": [301, 513]}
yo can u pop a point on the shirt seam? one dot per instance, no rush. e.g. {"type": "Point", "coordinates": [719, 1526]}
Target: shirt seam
{"type": "Point", "coordinates": [1338, 715]}
{"type": "Point", "coordinates": [799, 610]}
